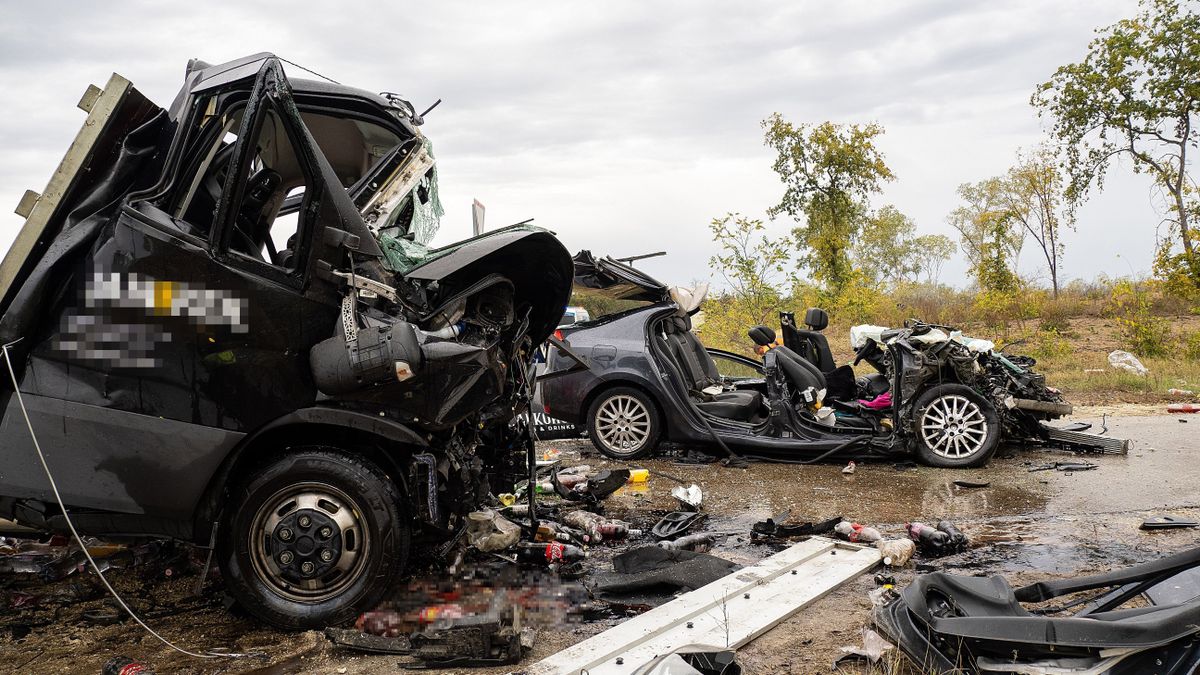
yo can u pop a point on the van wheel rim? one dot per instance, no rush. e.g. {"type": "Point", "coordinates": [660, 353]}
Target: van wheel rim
{"type": "Point", "coordinates": [308, 542]}
{"type": "Point", "coordinates": [954, 427]}
{"type": "Point", "coordinates": [623, 424]}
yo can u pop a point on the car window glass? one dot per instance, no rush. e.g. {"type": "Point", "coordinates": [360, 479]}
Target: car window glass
{"type": "Point", "coordinates": [731, 369]}
{"type": "Point", "coordinates": [275, 172]}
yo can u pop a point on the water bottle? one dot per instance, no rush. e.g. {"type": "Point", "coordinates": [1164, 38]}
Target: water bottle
{"type": "Point", "coordinates": [896, 552]}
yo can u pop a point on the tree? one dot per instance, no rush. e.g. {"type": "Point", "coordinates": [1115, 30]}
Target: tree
{"type": "Point", "coordinates": [750, 261]}
{"type": "Point", "coordinates": [989, 234]}
{"type": "Point", "coordinates": [1136, 94]}
{"type": "Point", "coordinates": [931, 251]}
{"type": "Point", "coordinates": [1033, 194]}
{"type": "Point", "coordinates": [884, 250]}
{"type": "Point", "coordinates": [828, 171]}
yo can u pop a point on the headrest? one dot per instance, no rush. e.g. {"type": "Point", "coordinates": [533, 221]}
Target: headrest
{"type": "Point", "coordinates": [689, 299]}
{"type": "Point", "coordinates": [816, 319]}
{"type": "Point", "coordinates": [762, 336]}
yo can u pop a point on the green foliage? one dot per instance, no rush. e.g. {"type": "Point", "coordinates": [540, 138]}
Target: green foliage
{"type": "Point", "coordinates": [1136, 94]}
{"type": "Point", "coordinates": [1049, 344]}
{"type": "Point", "coordinates": [749, 260]}
{"type": "Point", "coordinates": [1033, 194]}
{"type": "Point", "coordinates": [1191, 346]}
{"type": "Point", "coordinates": [1143, 333]}
{"type": "Point", "coordinates": [888, 252]}
{"type": "Point", "coordinates": [828, 171]}
{"type": "Point", "coordinates": [990, 235]}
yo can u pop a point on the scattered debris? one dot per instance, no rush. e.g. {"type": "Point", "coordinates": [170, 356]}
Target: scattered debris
{"type": "Point", "coordinates": [694, 660]}
{"type": "Point", "coordinates": [772, 527]}
{"type": "Point", "coordinates": [857, 533]}
{"type": "Point", "coordinates": [689, 498]}
{"type": "Point", "coordinates": [1183, 408]}
{"type": "Point", "coordinates": [986, 628]}
{"type": "Point", "coordinates": [1064, 466]}
{"type": "Point", "coordinates": [971, 484]}
{"type": "Point", "coordinates": [1123, 360]}
{"type": "Point", "coordinates": [368, 642]}
{"type": "Point", "coordinates": [676, 523]}
{"type": "Point", "coordinates": [122, 665]}
{"type": "Point", "coordinates": [896, 552]}
{"type": "Point", "coordinates": [1180, 392]}
{"type": "Point", "coordinates": [943, 539]}
{"type": "Point", "coordinates": [873, 648]}
{"type": "Point", "coordinates": [1167, 523]}
{"type": "Point", "coordinates": [491, 532]}
{"type": "Point", "coordinates": [849, 468]}
{"type": "Point", "coordinates": [692, 542]}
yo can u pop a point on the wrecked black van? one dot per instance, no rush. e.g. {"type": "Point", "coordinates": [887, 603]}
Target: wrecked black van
{"type": "Point", "coordinates": [225, 328]}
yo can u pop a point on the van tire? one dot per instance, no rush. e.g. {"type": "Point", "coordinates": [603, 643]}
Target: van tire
{"type": "Point", "coordinates": [955, 427]}
{"type": "Point", "coordinates": [624, 423]}
{"type": "Point", "coordinates": [338, 511]}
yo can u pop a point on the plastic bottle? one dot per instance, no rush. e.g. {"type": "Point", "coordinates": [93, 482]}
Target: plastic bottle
{"type": "Point", "coordinates": [572, 480]}
{"type": "Point", "coordinates": [896, 552]}
{"type": "Point", "coordinates": [958, 540]}
{"type": "Point", "coordinates": [930, 539]}
{"type": "Point", "coordinates": [552, 553]}
{"type": "Point", "coordinates": [857, 533]}
{"type": "Point", "coordinates": [692, 542]}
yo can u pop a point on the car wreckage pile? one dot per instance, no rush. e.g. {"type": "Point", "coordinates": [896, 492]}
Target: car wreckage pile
{"type": "Point", "coordinates": [221, 326]}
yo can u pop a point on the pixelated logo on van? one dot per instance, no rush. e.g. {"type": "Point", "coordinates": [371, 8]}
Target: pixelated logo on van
{"type": "Point", "coordinates": [124, 317]}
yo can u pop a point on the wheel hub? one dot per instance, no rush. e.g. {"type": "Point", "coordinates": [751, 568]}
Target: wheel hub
{"type": "Point", "coordinates": [306, 544]}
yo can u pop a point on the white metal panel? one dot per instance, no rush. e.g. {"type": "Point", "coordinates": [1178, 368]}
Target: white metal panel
{"type": "Point", "coordinates": [720, 613]}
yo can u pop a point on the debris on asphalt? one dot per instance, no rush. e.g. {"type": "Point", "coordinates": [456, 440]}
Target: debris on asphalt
{"type": "Point", "coordinates": [650, 568]}
{"type": "Point", "coordinates": [943, 539]}
{"type": "Point", "coordinates": [1065, 466]}
{"type": "Point", "coordinates": [849, 468]}
{"type": "Point", "coordinates": [874, 646]}
{"type": "Point", "coordinates": [896, 552]}
{"type": "Point", "coordinates": [676, 523]}
{"type": "Point", "coordinates": [689, 498]}
{"type": "Point", "coordinates": [1168, 523]}
{"type": "Point", "coordinates": [1178, 408]}
{"type": "Point", "coordinates": [491, 532]}
{"type": "Point", "coordinates": [854, 532]}
{"type": "Point", "coordinates": [774, 527]}
{"type": "Point", "coordinates": [123, 665]}
{"type": "Point", "coordinates": [692, 542]}
{"type": "Point", "coordinates": [971, 484]}
{"type": "Point", "coordinates": [694, 660]}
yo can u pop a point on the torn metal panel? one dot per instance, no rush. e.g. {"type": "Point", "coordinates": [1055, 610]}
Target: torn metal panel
{"type": "Point", "coordinates": [727, 613]}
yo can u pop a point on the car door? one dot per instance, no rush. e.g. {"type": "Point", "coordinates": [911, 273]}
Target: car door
{"type": "Point", "coordinates": [174, 338]}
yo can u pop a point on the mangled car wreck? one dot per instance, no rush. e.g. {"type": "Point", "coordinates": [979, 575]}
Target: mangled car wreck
{"type": "Point", "coordinates": [641, 375]}
{"type": "Point", "coordinates": [222, 330]}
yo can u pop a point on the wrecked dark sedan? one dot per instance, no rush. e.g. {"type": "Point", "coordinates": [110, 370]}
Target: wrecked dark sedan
{"type": "Point", "coordinates": [639, 376]}
{"type": "Point", "coordinates": [224, 329]}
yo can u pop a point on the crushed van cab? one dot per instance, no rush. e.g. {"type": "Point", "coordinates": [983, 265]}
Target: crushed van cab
{"type": "Point", "coordinates": [226, 328]}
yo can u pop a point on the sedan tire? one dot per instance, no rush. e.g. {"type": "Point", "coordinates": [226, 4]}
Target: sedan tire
{"type": "Point", "coordinates": [955, 427]}
{"type": "Point", "coordinates": [623, 423]}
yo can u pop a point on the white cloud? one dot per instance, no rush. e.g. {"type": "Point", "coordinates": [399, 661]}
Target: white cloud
{"type": "Point", "coordinates": [624, 126]}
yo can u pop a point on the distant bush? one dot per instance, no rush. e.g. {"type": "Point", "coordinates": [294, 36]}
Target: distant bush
{"type": "Point", "coordinates": [1191, 346]}
{"type": "Point", "coordinates": [1144, 333]}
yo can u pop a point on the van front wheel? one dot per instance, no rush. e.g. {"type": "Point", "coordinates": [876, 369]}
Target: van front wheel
{"type": "Point", "coordinates": [313, 539]}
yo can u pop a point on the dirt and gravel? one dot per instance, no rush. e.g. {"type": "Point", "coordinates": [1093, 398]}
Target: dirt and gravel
{"type": "Point", "coordinates": [1026, 524]}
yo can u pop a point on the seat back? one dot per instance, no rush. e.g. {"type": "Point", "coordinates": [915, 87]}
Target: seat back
{"type": "Point", "coordinates": [799, 372]}
{"type": "Point", "coordinates": [695, 363]}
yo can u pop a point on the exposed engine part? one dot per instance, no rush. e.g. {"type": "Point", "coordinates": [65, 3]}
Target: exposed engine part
{"type": "Point", "coordinates": [348, 362]}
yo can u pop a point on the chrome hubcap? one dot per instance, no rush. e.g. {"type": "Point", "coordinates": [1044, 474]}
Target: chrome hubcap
{"type": "Point", "coordinates": [308, 542]}
{"type": "Point", "coordinates": [623, 424]}
{"type": "Point", "coordinates": [954, 427]}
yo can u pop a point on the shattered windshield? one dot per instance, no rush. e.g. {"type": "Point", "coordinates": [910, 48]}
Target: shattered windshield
{"type": "Point", "coordinates": [405, 210]}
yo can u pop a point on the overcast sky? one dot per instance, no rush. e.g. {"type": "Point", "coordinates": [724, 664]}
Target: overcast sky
{"type": "Point", "coordinates": [623, 126]}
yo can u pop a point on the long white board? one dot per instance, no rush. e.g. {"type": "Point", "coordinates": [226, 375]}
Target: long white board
{"type": "Point", "coordinates": [720, 614]}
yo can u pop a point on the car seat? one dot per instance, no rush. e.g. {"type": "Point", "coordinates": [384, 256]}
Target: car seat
{"type": "Point", "coordinates": [814, 345]}
{"type": "Point", "coordinates": [801, 373]}
{"type": "Point", "coordinates": [700, 374]}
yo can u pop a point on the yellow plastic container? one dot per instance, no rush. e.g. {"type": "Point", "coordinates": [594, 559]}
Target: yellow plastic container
{"type": "Point", "coordinates": [639, 475]}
